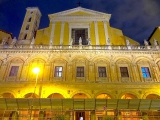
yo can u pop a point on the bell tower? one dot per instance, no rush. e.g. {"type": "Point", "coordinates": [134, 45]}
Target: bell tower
{"type": "Point", "coordinates": [30, 25]}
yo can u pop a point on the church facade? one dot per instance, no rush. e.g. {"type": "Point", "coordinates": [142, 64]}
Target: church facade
{"type": "Point", "coordinates": [88, 70]}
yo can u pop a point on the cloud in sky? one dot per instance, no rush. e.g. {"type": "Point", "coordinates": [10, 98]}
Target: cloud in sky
{"type": "Point", "coordinates": [136, 18]}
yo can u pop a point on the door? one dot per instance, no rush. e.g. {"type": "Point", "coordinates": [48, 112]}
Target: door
{"type": "Point", "coordinates": [80, 115]}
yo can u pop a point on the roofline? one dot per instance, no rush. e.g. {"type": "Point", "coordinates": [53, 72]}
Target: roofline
{"type": "Point", "coordinates": [7, 32]}
{"type": "Point", "coordinates": [152, 33]}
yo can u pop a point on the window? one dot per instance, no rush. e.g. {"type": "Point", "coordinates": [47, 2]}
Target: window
{"type": "Point", "coordinates": [29, 20]}
{"type": "Point", "coordinates": [58, 71]}
{"type": "Point", "coordinates": [25, 36]}
{"type": "Point", "coordinates": [102, 71]}
{"type": "Point", "coordinates": [80, 71]}
{"type": "Point", "coordinates": [124, 72]}
{"type": "Point", "coordinates": [145, 72]}
{"type": "Point", "coordinates": [27, 27]}
{"type": "Point", "coordinates": [14, 71]}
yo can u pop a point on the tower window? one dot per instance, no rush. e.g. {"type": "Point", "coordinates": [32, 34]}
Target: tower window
{"type": "Point", "coordinates": [80, 71]}
{"type": "Point", "coordinates": [145, 72]}
{"type": "Point", "coordinates": [27, 27]}
{"type": "Point", "coordinates": [58, 71]}
{"type": "Point", "coordinates": [29, 20]}
{"type": "Point", "coordinates": [102, 71]}
{"type": "Point", "coordinates": [14, 71]}
{"type": "Point", "coordinates": [25, 36]}
{"type": "Point", "coordinates": [124, 72]}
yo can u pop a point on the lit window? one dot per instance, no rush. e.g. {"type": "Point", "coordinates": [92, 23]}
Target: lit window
{"type": "Point", "coordinates": [58, 71]}
{"type": "Point", "coordinates": [102, 71]}
{"type": "Point", "coordinates": [14, 71]}
{"type": "Point", "coordinates": [80, 71]}
{"type": "Point", "coordinates": [124, 72]}
{"type": "Point", "coordinates": [145, 72]}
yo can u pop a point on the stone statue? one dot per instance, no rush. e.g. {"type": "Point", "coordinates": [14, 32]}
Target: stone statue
{"type": "Point", "coordinates": [155, 42]}
{"type": "Point", "coordinates": [33, 40]}
{"type": "Point", "coordinates": [51, 42]}
{"type": "Point", "coordinates": [71, 42]}
{"type": "Point", "coordinates": [108, 42]}
{"type": "Point", "coordinates": [14, 40]}
{"type": "Point", "coordinates": [80, 41]}
{"type": "Point", "coordinates": [89, 41]}
{"type": "Point", "coordinates": [145, 42]}
{"type": "Point", "coordinates": [127, 42]}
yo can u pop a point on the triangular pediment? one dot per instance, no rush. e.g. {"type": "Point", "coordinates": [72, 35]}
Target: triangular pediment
{"type": "Point", "coordinates": [78, 11]}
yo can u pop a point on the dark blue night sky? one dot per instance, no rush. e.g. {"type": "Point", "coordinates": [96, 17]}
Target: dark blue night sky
{"type": "Point", "coordinates": [136, 18]}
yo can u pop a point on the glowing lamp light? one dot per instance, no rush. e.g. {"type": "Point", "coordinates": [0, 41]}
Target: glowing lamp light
{"type": "Point", "coordinates": [36, 70]}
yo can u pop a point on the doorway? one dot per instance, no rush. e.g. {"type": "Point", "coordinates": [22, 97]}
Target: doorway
{"type": "Point", "coordinates": [80, 115]}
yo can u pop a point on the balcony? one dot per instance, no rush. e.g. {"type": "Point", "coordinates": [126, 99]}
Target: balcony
{"type": "Point", "coordinates": [80, 47]}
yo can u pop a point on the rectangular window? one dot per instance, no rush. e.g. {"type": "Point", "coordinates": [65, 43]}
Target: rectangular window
{"type": "Point", "coordinates": [58, 71]}
{"type": "Point", "coordinates": [80, 71]}
{"type": "Point", "coordinates": [145, 72]}
{"type": "Point", "coordinates": [124, 72]}
{"type": "Point", "coordinates": [102, 71]}
{"type": "Point", "coordinates": [14, 71]}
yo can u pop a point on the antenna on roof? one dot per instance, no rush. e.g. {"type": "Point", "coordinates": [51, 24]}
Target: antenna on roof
{"type": "Point", "coordinates": [79, 4]}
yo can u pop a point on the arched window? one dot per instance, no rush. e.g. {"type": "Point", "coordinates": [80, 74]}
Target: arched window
{"type": "Point", "coordinates": [25, 36]}
{"type": "Point", "coordinates": [27, 27]}
{"type": "Point", "coordinates": [29, 20]}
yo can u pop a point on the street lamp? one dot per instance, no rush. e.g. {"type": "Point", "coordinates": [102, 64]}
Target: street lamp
{"type": "Point", "coordinates": [35, 70]}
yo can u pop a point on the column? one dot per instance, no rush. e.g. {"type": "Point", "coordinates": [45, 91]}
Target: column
{"type": "Point", "coordinates": [93, 115]}
{"type": "Point", "coordinates": [52, 33]}
{"type": "Point", "coordinates": [105, 31]}
{"type": "Point", "coordinates": [96, 32]}
{"type": "Point", "coordinates": [62, 33]}
{"type": "Point", "coordinates": [14, 115]}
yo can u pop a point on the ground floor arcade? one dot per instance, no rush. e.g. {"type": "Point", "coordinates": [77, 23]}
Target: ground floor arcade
{"type": "Point", "coordinates": [79, 109]}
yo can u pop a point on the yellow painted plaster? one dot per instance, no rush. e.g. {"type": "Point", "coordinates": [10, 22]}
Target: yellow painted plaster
{"type": "Point", "coordinates": [131, 41]}
{"type": "Point", "coordinates": [92, 33]}
{"type": "Point", "coordinates": [79, 13]}
{"type": "Point", "coordinates": [43, 36]}
{"type": "Point", "coordinates": [156, 36]}
{"type": "Point", "coordinates": [66, 34]}
{"type": "Point", "coordinates": [101, 33]}
{"type": "Point", "coordinates": [57, 32]}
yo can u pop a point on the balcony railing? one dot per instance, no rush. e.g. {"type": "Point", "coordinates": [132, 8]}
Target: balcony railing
{"type": "Point", "coordinates": [80, 47]}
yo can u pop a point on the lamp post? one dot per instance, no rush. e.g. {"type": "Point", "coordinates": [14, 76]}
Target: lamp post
{"type": "Point", "coordinates": [36, 70]}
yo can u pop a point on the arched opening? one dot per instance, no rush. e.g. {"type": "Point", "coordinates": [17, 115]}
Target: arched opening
{"type": "Point", "coordinates": [27, 27]}
{"type": "Point", "coordinates": [128, 96]}
{"type": "Point", "coordinates": [31, 95]}
{"type": "Point", "coordinates": [55, 95]}
{"type": "Point", "coordinates": [29, 20]}
{"type": "Point", "coordinates": [152, 96]}
{"type": "Point", "coordinates": [7, 95]}
{"type": "Point", "coordinates": [25, 36]}
{"type": "Point", "coordinates": [80, 95]}
{"type": "Point", "coordinates": [103, 96]}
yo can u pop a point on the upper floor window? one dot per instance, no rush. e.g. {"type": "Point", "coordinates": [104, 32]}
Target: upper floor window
{"type": "Point", "coordinates": [102, 71]}
{"type": "Point", "coordinates": [80, 71]}
{"type": "Point", "coordinates": [14, 71]}
{"type": "Point", "coordinates": [25, 36]}
{"type": "Point", "coordinates": [124, 72]}
{"type": "Point", "coordinates": [29, 20]}
{"type": "Point", "coordinates": [145, 72]}
{"type": "Point", "coordinates": [58, 71]}
{"type": "Point", "coordinates": [27, 27]}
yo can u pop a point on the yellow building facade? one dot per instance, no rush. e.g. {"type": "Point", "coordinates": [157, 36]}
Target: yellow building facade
{"type": "Point", "coordinates": [88, 71]}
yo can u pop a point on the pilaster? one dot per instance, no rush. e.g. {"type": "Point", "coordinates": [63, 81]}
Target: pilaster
{"type": "Point", "coordinates": [62, 33]}
{"type": "Point", "coordinates": [96, 32]}
{"type": "Point", "coordinates": [52, 33]}
{"type": "Point", "coordinates": [105, 31]}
